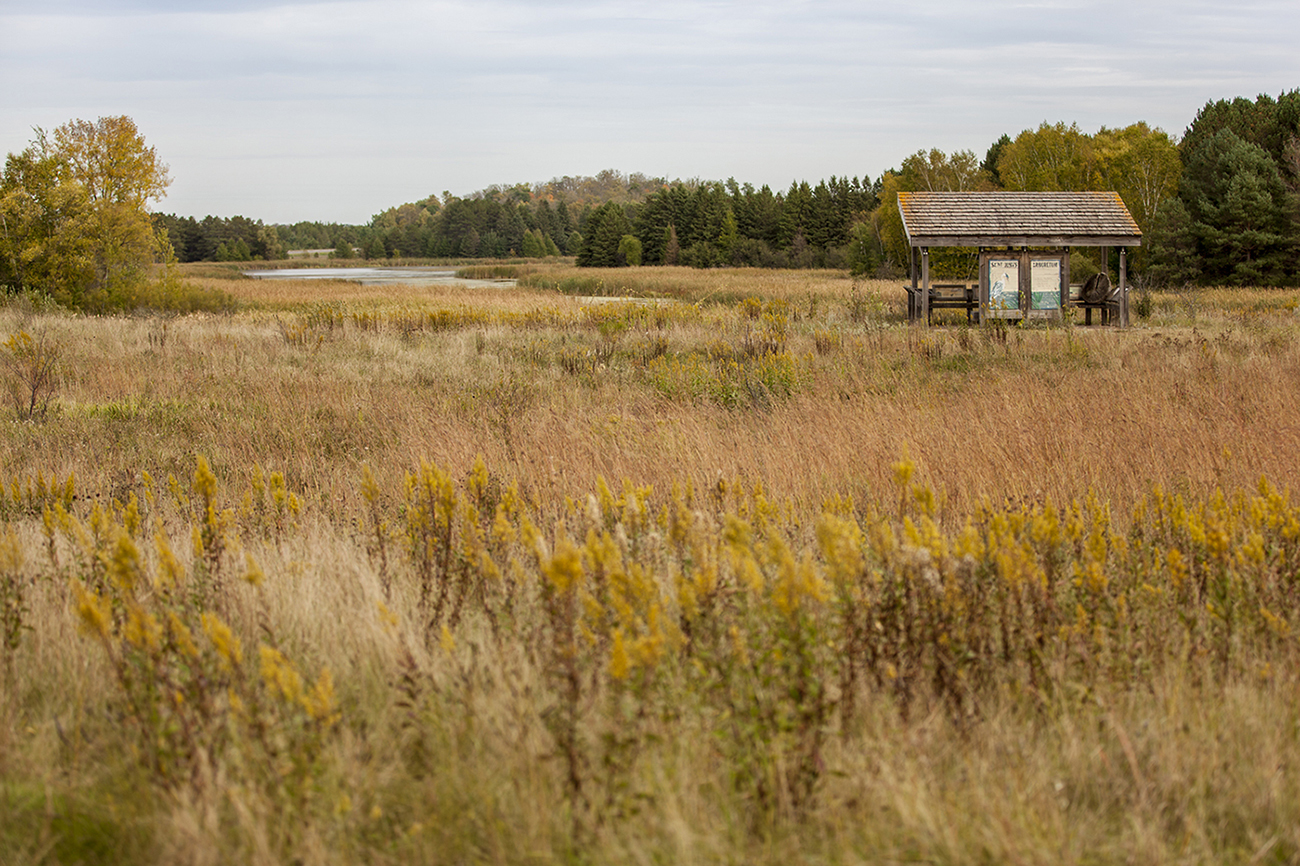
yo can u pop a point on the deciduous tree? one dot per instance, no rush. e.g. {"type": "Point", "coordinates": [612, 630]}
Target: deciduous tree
{"type": "Point", "coordinates": [73, 213]}
{"type": "Point", "coordinates": [1139, 163]}
{"type": "Point", "coordinates": [1054, 157]}
{"type": "Point", "coordinates": [45, 230]}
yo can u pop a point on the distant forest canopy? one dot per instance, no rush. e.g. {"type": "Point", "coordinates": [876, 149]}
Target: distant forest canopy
{"type": "Point", "coordinates": [1220, 206]}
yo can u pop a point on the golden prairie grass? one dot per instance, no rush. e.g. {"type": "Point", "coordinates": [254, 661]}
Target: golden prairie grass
{"type": "Point", "coordinates": [560, 393]}
{"type": "Point", "coordinates": [725, 285]}
{"type": "Point", "coordinates": [760, 579]}
{"type": "Point", "coordinates": [280, 293]}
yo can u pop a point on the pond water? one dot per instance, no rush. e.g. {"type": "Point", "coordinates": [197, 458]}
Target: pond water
{"type": "Point", "coordinates": [378, 276]}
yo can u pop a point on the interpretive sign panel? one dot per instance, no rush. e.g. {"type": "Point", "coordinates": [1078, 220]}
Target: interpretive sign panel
{"type": "Point", "coordinates": [1045, 284]}
{"type": "Point", "coordinates": [1004, 285]}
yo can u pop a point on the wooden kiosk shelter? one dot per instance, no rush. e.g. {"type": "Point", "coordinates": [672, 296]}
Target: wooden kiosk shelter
{"type": "Point", "coordinates": [1024, 241]}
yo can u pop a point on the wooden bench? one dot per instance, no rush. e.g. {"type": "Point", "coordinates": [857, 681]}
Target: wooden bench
{"type": "Point", "coordinates": [1097, 294]}
{"type": "Point", "coordinates": [943, 296]}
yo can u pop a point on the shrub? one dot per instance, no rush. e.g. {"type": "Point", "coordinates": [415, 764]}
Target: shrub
{"type": "Point", "coordinates": [30, 373]}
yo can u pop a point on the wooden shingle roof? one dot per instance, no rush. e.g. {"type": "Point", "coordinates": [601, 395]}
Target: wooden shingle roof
{"type": "Point", "coordinates": [1029, 219]}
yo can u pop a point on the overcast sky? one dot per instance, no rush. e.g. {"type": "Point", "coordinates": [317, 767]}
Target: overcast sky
{"type": "Point", "coordinates": [335, 111]}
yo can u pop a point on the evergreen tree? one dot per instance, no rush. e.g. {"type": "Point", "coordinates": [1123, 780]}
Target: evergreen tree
{"type": "Point", "coordinates": [657, 213]}
{"type": "Point", "coordinates": [533, 246]}
{"type": "Point", "coordinates": [765, 209]}
{"type": "Point", "coordinates": [728, 238]}
{"type": "Point", "coordinates": [991, 157]}
{"type": "Point", "coordinates": [672, 248]}
{"type": "Point", "coordinates": [606, 227]}
{"type": "Point", "coordinates": [469, 243]}
{"type": "Point", "coordinates": [796, 213]}
{"type": "Point", "coordinates": [1174, 259]}
{"type": "Point", "coordinates": [1241, 211]}
{"type": "Point", "coordinates": [573, 244]}
{"type": "Point", "coordinates": [1266, 123]}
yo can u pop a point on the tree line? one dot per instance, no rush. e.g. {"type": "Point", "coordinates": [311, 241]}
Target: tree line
{"type": "Point", "coordinates": [1236, 216]}
{"type": "Point", "coordinates": [701, 223]}
{"type": "Point", "coordinates": [220, 239]}
{"type": "Point", "coordinates": [1221, 205]}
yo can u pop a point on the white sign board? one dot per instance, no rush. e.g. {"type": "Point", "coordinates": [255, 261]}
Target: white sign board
{"type": "Point", "coordinates": [1004, 285]}
{"type": "Point", "coordinates": [1045, 284]}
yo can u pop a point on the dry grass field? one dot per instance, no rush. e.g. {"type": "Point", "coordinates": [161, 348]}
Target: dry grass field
{"type": "Point", "coordinates": [649, 565]}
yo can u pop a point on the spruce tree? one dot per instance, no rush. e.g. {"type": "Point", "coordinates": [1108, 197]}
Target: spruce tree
{"type": "Point", "coordinates": [1241, 211]}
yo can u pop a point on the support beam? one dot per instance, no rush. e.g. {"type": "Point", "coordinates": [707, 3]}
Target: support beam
{"type": "Point", "coordinates": [925, 287]}
{"type": "Point", "coordinates": [916, 299]}
{"type": "Point", "coordinates": [1065, 286]}
{"type": "Point", "coordinates": [1123, 287]}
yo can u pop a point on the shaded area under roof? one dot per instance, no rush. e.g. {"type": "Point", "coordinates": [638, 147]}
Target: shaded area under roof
{"type": "Point", "coordinates": [1017, 219]}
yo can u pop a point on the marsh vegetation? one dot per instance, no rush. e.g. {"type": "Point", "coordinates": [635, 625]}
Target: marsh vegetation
{"type": "Point", "coordinates": [658, 565]}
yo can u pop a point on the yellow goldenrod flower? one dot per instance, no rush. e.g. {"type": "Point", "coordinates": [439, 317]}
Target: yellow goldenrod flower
{"type": "Point", "coordinates": [94, 612]}
{"type": "Point", "coordinates": [618, 660]}
{"type": "Point", "coordinates": [564, 569]}
{"type": "Point", "coordinates": [205, 483]}
{"type": "Point", "coordinates": [279, 674]}
{"type": "Point", "coordinates": [253, 572]}
{"type": "Point", "coordinates": [319, 701]}
{"type": "Point", "coordinates": [180, 633]}
{"type": "Point", "coordinates": [131, 517]}
{"type": "Point", "coordinates": [124, 564]}
{"type": "Point", "coordinates": [11, 552]}
{"type": "Point", "coordinates": [142, 629]}
{"type": "Point", "coordinates": [225, 643]}
{"type": "Point", "coordinates": [169, 570]}
{"type": "Point", "coordinates": [903, 471]}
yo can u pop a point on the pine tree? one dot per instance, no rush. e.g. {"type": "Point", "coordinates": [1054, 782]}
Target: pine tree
{"type": "Point", "coordinates": [606, 227]}
{"type": "Point", "coordinates": [1175, 260]}
{"type": "Point", "coordinates": [672, 248]}
{"type": "Point", "coordinates": [1241, 211]}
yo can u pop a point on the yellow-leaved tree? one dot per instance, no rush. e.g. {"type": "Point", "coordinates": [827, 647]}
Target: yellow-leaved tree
{"type": "Point", "coordinates": [74, 218]}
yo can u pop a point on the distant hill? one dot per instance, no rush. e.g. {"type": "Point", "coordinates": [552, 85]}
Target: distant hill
{"type": "Point", "coordinates": [607, 185]}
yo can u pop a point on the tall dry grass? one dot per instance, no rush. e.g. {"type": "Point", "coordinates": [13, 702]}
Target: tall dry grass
{"type": "Point", "coordinates": [1067, 645]}
{"type": "Point", "coordinates": [719, 285]}
{"type": "Point", "coordinates": [560, 393]}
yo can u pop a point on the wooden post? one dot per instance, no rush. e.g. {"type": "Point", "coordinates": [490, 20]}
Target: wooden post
{"type": "Point", "coordinates": [925, 286]}
{"type": "Point", "coordinates": [1065, 286]}
{"type": "Point", "coordinates": [1123, 287]}
{"type": "Point", "coordinates": [1026, 294]}
{"type": "Point", "coordinates": [916, 301]}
